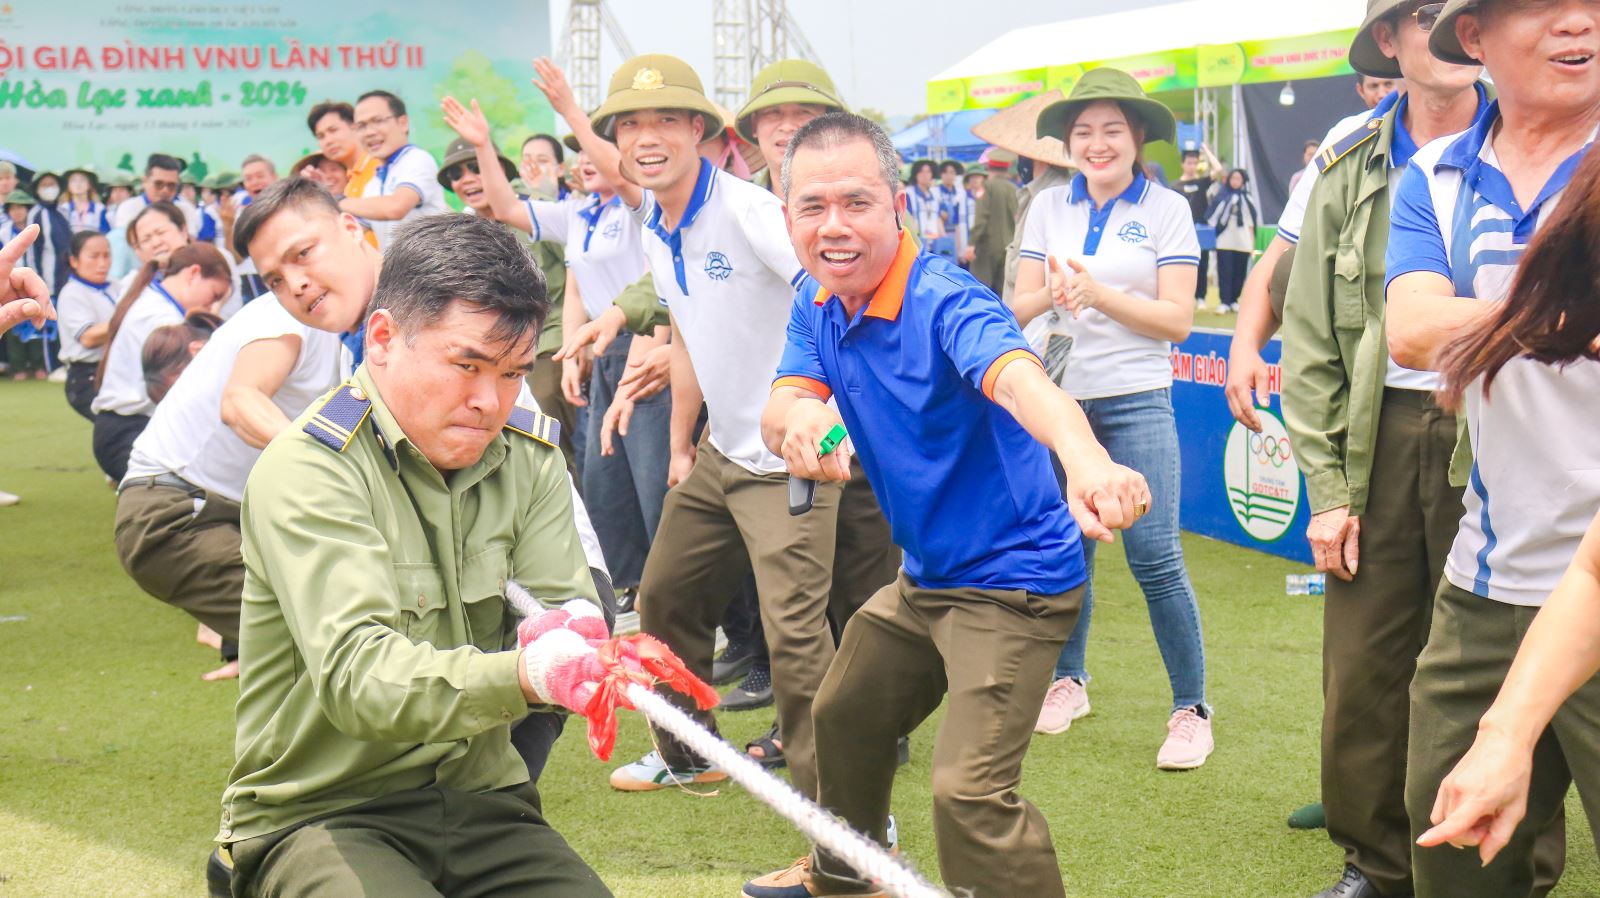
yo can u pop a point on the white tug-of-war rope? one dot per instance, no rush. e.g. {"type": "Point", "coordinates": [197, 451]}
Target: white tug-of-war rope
{"type": "Point", "coordinates": [825, 829]}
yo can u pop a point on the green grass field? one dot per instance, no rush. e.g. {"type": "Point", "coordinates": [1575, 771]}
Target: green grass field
{"type": "Point", "coordinates": [113, 753]}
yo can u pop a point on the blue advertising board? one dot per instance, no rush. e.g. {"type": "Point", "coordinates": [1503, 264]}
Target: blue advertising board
{"type": "Point", "coordinates": [1238, 486]}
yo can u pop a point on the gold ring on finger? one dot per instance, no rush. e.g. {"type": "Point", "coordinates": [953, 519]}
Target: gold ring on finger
{"type": "Point", "coordinates": [1139, 508]}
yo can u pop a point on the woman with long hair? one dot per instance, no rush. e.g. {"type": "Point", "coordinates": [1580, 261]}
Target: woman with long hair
{"type": "Point", "coordinates": [1233, 213]}
{"type": "Point", "coordinates": [195, 278]}
{"type": "Point", "coordinates": [1109, 262]}
{"type": "Point", "coordinates": [1534, 367]}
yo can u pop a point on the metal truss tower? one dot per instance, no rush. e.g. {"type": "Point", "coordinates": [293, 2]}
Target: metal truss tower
{"type": "Point", "coordinates": [579, 54]}
{"type": "Point", "coordinates": [746, 35]}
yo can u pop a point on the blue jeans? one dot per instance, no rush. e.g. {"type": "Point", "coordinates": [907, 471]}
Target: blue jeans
{"type": "Point", "coordinates": [624, 491]}
{"type": "Point", "coordinates": [1139, 431]}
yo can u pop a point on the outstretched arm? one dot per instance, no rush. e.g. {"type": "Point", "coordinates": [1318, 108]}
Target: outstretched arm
{"type": "Point", "coordinates": [603, 153]}
{"type": "Point", "coordinates": [474, 129]}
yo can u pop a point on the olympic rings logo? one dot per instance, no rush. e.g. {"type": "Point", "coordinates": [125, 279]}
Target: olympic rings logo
{"type": "Point", "coordinates": [1269, 448]}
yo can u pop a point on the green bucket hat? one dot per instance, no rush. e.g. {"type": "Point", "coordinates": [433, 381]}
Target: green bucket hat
{"type": "Point", "coordinates": [85, 170]}
{"type": "Point", "coordinates": [20, 197]}
{"type": "Point", "coordinates": [1442, 39]}
{"type": "Point", "coordinates": [786, 81]}
{"type": "Point", "coordinates": [222, 180]}
{"type": "Point", "coordinates": [1106, 83]}
{"type": "Point", "coordinates": [461, 151]}
{"type": "Point", "coordinates": [571, 142]}
{"type": "Point", "coordinates": [654, 81]}
{"type": "Point", "coordinates": [119, 178]}
{"type": "Point", "coordinates": [1365, 57]}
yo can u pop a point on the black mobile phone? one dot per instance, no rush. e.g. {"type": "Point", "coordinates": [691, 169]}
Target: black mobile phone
{"type": "Point", "coordinates": [802, 492]}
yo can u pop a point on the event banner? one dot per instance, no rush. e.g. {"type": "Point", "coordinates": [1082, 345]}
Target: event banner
{"type": "Point", "coordinates": [1238, 486]}
{"type": "Point", "coordinates": [1281, 59]}
{"type": "Point", "coordinates": [107, 82]}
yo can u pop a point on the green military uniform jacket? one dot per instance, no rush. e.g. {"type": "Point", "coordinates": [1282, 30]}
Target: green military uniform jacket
{"type": "Point", "coordinates": [642, 305]}
{"type": "Point", "coordinates": [551, 257]}
{"type": "Point", "coordinates": [1335, 351]}
{"type": "Point", "coordinates": [375, 645]}
{"type": "Point", "coordinates": [994, 223]}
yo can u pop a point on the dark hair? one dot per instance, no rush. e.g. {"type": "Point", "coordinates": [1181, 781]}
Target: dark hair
{"type": "Point", "coordinates": [80, 240]}
{"type": "Point", "coordinates": [1550, 315]}
{"type": "Point", "coordinates": [397, 106]}
{"type": "Point", "coordinates": [1135, 125]}
{"type": "Point", "coordinates": [555, 145]}
{"type": "Point", "coordinates": [438, 260]}
{"type": "Point", "coordinates": [299, 194]}
{"type": "Point", "coordinates": [1241, 173]}
{"type": "Point", "coordinates": [213, 264]}
{"type": "Point", "coordinates": [917, 167]}
{"type": "Point", "coordinates": [949, 164]}
{"type": "Point", "coordinates": [330, 107]}
{"type": "Point", "coordinates": [1190, 154]}
{"type": "Point", "coordinates": [832, 129]}
{"type": "Point", "coordinates": [163, 162]}
{"type": "Point", "coordinates": [165, 354]}
{"type": "Point", "coordinates": [170, 210]}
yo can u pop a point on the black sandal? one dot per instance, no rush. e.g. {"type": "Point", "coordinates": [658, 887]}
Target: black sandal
{"type": "Point", "coordinates": [771, 751]}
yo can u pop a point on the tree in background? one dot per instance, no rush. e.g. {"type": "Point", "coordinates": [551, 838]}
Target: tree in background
{"type": "Point", "coordinates": [472, 76]}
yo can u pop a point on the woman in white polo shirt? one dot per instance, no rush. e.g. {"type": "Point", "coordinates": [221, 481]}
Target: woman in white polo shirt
{"type": "Point", "coordinates": [1110, 262]}
{"type": "Point", "coordinates": [84, 307]}
{"type": "Point", "coordinates": [196, 277]}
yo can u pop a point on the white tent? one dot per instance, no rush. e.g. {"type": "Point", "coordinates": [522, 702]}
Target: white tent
{"type": "Point", "coordinates": [1175, 26]}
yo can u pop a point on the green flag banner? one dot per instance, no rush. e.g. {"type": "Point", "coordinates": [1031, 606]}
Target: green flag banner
{"type": "Point", "coordinates": [106, 82]}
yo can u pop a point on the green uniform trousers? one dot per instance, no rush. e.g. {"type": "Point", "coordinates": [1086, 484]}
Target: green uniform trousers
{"type": "Point", "coordinates": [1374, 627]}
{"type": "Point", "coordinates": [544, 382]}
{"type": "Point", "coordinates": [185, 557]}
{"type": "Point", "coordinates": [712, 523]}
{"type": "Point", "coordinates": [1470, 649]}
{"type": "Point", "coordinates": [992, 652]}
{"type": "Point", "coordinates": [421, 843]}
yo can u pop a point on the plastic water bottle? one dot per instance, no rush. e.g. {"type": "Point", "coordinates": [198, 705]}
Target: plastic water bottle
{"type": "Point", "coordinates": [1305, 584]}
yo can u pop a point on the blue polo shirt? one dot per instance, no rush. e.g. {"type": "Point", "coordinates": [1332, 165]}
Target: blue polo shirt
{"type": "Point", "coordinates": [969, 495]}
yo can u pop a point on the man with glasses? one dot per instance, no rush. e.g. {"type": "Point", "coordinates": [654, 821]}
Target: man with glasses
{"type": "Point", "coordinates": [1374, 448]}
{"type": "Point", "coordinates": [160, 185]}
{"type": "Point", "coordinates": [405, 185]}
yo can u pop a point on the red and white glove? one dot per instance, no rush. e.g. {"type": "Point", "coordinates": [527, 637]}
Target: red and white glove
{"type": "Point", "coordinates": [571, 661]}
{"type": "Point", "coordinates": [559, 653]}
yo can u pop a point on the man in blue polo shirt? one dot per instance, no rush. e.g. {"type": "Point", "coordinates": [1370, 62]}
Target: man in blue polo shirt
{"type": "Point", "coordinates": [948, 409]}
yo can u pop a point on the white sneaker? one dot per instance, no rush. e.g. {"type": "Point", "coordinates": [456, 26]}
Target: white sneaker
{"type": "Point", "coordinates": [1188, 743]}
{"type": "Point", "coordinates": [8, 498]}
{"type": "Point", "coordinates": [59, 375]}
{"type": "Point", "coordinates": [1066, 701]}
{"type": "Point", "coordinates": [650, 773]}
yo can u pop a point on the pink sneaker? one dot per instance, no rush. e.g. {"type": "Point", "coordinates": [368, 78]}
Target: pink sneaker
{"type": "Point", "coordinates": [1188, 741]}
{"type": "Point", "coordinates": [1066, 701]}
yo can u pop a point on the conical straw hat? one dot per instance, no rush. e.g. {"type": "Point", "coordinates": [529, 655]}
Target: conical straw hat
{"type": "Point", "coordinates": [1015, 129]}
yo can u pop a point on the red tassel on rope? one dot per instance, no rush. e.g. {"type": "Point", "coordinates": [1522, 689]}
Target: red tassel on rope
{"type": "Point", "coordinates": [643, 659]}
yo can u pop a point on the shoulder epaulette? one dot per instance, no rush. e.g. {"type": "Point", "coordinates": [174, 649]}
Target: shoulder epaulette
{"type": "Point", "coordinates": [336, 422]}
{"type": "Point", "coordinates": [1344, 145]}
{"type": "Point", "coordinates": [535, 425]}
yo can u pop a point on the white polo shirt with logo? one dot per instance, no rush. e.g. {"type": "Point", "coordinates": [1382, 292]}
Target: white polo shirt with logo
{"type": "Point", "coordinates": [1535, 481]}
{"type": "Point", "coordinates": [122, 390]}
{"type": "Point", "coordinates": [186, 435]}
{"type": "Point", "coordinates": [602, 241]}
{"type": "Point", "coordinates": [1123, 245]}
{"type": "Point", "coordinates": [727, 274]}
{"type": "Point", "coordinates": [410, 166]}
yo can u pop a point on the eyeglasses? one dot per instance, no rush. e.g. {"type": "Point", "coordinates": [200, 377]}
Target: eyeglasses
{"type": "Point", "coordinates": [1427, 16]}
{"type": "Point", "coordinates": [455, 172]}
{"type": "Point", "coordinates": [369, 124]}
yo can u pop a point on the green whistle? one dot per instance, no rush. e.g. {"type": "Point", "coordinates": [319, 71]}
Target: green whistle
{"type": "Point", "coordinates": [831, 440]}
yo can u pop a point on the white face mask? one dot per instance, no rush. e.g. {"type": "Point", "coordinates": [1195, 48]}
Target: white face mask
{"type": "Point", "coordinates": [49, 194]}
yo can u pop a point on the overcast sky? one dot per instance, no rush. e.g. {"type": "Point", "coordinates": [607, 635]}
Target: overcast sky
{"type": "Point", "coordinates": [879, 53]}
